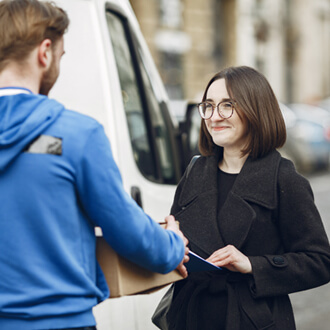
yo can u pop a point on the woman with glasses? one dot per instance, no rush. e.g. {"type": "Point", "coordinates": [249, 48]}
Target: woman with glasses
{"type": "Point", "coordinates": [245, 209]}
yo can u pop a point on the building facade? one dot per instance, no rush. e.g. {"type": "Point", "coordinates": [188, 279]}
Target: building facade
{"type": "Point", "coordinates": [287, 40]}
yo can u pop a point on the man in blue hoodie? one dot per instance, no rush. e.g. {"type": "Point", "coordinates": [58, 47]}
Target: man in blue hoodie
{"type": "Point", "coordinates": [58, 180]}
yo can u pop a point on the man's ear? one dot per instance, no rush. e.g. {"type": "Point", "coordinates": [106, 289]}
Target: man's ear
{"type": "Point", "coordinates": [45, 53]}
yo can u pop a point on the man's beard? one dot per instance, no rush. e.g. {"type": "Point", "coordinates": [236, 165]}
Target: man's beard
{"type": "Point", "coordinates": [48, 80]}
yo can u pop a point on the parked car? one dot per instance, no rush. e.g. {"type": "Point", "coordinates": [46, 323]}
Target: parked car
{"type": "Point", "coordinates": [311, 137]}
{"type": "Point", "coordinates": [325, 104]}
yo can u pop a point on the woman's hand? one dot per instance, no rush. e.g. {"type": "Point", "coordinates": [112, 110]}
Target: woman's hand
{"type": "Point", "coordinates": [232, 259]}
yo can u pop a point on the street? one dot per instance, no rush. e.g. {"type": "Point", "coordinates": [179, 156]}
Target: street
{"type": "Point", "coordinates": [312, 308]}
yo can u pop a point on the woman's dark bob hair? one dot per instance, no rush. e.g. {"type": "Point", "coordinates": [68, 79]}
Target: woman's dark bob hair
{"type": "Point", "coordinates": [258, 108]}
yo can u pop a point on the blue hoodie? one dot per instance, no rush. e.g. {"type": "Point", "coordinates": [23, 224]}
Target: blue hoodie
{"type": "Point", "coordinates": [58, 180]}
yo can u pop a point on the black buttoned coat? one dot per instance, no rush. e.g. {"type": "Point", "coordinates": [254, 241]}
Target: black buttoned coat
{"type": "Point", "coordinates": [270, 216]}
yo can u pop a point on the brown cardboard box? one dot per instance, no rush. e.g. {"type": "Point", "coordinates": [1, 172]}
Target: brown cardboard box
{"type": "Point", "coordinates": [125, 278]}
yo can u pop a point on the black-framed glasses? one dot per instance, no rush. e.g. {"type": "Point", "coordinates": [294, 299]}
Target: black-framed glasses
{"type": "Point", "coordinates": [225, 109]}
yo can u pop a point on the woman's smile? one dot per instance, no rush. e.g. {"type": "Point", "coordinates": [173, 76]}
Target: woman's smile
{"type": "Point", "coordinates": [219, 128]}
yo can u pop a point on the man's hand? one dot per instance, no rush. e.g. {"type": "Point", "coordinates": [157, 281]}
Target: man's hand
{"type": "Point", "coordinates": [232, 259]}
{"type": "Point", "coordinates": [171, 225]}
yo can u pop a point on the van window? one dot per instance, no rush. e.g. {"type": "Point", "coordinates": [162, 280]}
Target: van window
{"type": "Point", "coordinates": [146, 123]}
{"type": "Point", "coordinates": [161, 135]}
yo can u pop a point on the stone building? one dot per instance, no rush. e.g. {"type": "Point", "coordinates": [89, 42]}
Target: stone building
{"type": "Point", "coordinates": [287, 40]}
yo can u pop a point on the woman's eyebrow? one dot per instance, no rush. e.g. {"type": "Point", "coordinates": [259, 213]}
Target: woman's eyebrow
{"type": "Point", "coordinates": [223, 100]}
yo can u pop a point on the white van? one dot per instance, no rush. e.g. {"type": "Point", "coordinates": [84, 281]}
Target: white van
{"type": "Point", "coordinates": [107, 73]}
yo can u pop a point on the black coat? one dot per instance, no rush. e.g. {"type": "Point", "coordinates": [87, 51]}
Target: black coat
{"type": "Point", "coordinates": [270, 216]}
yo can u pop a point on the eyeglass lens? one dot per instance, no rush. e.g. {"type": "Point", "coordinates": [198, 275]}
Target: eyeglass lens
{"type": "Point", "coordinates": [225, 109]}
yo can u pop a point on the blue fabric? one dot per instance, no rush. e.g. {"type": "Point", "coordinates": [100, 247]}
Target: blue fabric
{"type": "Point", "coordinates": [49, 277]}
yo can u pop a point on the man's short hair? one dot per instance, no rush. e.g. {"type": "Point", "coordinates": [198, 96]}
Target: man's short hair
{"type": "Point", "coordinates": [24, 24]}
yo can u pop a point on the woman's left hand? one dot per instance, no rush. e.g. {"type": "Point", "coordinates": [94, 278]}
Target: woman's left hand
{"type": "Point", "coordinates": [232, 259]}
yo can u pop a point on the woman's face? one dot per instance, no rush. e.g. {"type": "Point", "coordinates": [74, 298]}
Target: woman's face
{"type": "Point", "coordinates": [231, 133]}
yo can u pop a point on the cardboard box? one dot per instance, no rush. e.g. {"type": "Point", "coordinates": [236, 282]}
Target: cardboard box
{"type": "Point", "coordinates": [126, 278]}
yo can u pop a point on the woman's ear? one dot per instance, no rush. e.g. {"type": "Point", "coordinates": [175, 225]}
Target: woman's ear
{"type": "Point", "coordinates": [45, 53]}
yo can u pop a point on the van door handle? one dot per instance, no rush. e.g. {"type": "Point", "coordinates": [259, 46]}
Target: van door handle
{"type": "Point", "coordinates": [136, 195]}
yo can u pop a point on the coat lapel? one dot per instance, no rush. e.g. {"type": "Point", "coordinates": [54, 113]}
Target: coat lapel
{"type": "Point", "coordinates": [256, 184]}
{"type": "Point", "coordinates": [235, 220]}
{"type": "Point", "coordinates": [198, 202]}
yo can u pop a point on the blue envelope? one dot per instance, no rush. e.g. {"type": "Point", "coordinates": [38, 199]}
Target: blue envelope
{"type": "Point", "coordinates": [198, 264]}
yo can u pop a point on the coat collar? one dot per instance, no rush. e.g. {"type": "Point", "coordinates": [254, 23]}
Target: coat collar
{"type": "Point", "coordinates": [258, 180]}
{"type": "Point", "coordinates": [256, 184]}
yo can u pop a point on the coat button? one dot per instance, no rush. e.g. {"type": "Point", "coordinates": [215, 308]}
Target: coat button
{"type": "Point", "coordinates": [278, 261]}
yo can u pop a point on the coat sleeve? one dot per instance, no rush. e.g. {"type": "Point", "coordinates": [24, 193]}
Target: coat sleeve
{"type": "Point", "coordinates": [125, 226]}
{"type": "Point", "coordinates": [305, 262]}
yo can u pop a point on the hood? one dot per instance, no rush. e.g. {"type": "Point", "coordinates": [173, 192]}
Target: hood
{"type": "Point", "coordinates": [23, 117]}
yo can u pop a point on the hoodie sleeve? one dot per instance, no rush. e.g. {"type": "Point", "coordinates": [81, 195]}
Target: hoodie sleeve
{"type": "Point", "coordinates": [125, 226]}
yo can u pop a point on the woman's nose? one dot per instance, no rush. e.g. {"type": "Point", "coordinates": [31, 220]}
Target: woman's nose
{"type": "Point", "coordinates": [216, 116]}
